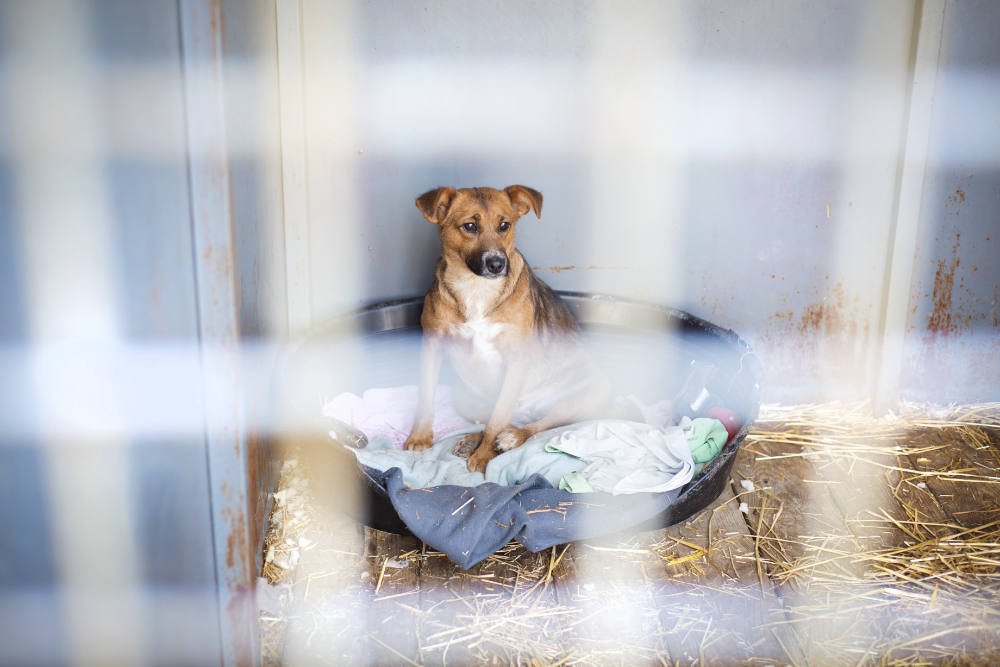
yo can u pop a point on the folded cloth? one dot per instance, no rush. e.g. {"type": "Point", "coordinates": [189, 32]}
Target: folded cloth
{"type": "Point", "coordinates": [611, 455]}
{"type": "Point", "coordinates": [575, 483]}
{"type": "Point", "coordinates": [386, 415]}
{"type": "Point", "coordinates": [707, 437]}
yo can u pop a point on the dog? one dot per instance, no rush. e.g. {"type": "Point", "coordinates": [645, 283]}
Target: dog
{"type": "Point", "coordinates": [513, 342]}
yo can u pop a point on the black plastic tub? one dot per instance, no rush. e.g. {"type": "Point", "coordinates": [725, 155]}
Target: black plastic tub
{"type": "Point", "coordinates": [651, 351]}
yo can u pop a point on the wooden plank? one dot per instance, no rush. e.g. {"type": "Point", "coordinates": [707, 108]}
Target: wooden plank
{"type": "Point", "coordinates": [331, 596]}
{"type": "Point", "coordinates": [816, 513]}
{"type": "Point", "coordinates": [848, 533]}
{"type": "Point", "coordinates": [672, 595]}
{"type": "Point", "coordinates": [743, 602]}
{"type": "Point", "coordinates": [393, 565]}
{"type": "Point", "coordinates": [806, 501]}
{"type": "Point", "coordinates": [973, 497]}
{"type": "Point", "coordinates": [327, 615]}
{"type": "Point", "coordinates": [610, 585]}
{"type": "Point", "coordinates": [801, 498]}
{"type": "Point", "coordinates": [501, 607]}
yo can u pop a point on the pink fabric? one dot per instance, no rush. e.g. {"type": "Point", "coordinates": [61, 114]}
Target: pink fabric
{"type": "Point", "coordinates": [389, 412]}
{"type": "Point", "coordinates": [659, 414]}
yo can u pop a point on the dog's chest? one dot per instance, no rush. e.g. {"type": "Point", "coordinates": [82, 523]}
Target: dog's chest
{"type": "Point", "coordinates": [481, 333]}
{"type": "Point", "coordinates": [479, 330]}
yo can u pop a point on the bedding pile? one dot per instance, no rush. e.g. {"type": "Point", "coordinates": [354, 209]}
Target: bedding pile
{"type": "Point", "coordinates": [562, 484]}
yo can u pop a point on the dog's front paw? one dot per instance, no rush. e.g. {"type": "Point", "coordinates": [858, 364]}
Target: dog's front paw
{"type": "Point", "coordinates": [511, 438]}
{"type": "Point", "coordinates": [419, 440]}
{"type": "Point", "coordinates": [467, 444]}
{"type": "Point", "coordinates": [480, 458]}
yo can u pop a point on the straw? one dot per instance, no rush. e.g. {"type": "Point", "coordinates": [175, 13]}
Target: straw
{"type": "Point", "coordinates": [811, 573]}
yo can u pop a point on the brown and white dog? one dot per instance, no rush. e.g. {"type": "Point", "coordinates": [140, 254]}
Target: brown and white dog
{"type": "Point", "coordinates": [511, 339]}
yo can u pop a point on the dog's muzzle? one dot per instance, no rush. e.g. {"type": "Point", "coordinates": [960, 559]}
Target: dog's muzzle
{"type": "Point", "coordinates": [490, 264]}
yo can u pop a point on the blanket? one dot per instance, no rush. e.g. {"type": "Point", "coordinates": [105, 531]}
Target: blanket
{"type": "Point", "coordinates": [561, 485]}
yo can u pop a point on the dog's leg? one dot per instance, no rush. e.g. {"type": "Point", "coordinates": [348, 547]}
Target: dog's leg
{"type": "Point", "coordinates": [513, 437]}
{"type": "Point", "coordinates": [513, 382]}
{"type": "Point", "coordinates": [431, 355]}
{"type": "Point", "coordinates": [593, 404]}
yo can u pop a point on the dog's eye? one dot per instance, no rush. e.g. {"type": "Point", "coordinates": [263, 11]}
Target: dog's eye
{"type": "Point", "coordinates": [471, 227]}
{"type": "Point", "coordinates": [504, 226]}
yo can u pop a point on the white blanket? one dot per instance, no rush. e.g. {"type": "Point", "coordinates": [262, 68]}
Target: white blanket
{"type": "Point", "coordinates": [608, 455]}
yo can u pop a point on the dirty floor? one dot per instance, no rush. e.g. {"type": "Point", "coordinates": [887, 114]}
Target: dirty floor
{"type": "Point", "coordinates": [841, 539]}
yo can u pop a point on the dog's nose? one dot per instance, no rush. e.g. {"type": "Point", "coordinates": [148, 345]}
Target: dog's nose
{"type": "Point", "coordinates": [495, 264]}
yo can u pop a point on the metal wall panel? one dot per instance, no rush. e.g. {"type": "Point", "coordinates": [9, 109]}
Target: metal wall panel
{"type": "Point", "coordinates": [740, 161]}
{"type": "Point", "coordinates": [953, 333]}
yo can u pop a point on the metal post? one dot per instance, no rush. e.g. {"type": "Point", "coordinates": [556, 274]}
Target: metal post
{"type": "Point", "coordinates": [218, 313]}
{"type": "Point", "coordinates": [903, 235]}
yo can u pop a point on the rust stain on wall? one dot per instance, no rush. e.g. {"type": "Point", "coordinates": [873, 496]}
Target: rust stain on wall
{"type": "Point", "coordinates": [236, 547]}
{"type": "Point", "coordinates": [824, 346]}
{"type": "Point", "coordinates": [836, 316]}
{"type": "Point", "coordinates": [941, 320]}
{"type": "Point", "coordinates": [232, 545]}
{"type": "Point", "coordinates": [571, 267]}
{"type": "Point", "coordinates": [955, 351]}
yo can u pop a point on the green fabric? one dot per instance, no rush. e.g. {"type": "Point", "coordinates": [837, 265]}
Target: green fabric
{"type": "Point", "coordinates": [708, 437]}
{"type": "Point", "coordinates": [575, 483]}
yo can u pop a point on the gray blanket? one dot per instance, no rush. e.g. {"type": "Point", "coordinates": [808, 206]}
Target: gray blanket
{"type": "Point", "coordinates": [470, 523]}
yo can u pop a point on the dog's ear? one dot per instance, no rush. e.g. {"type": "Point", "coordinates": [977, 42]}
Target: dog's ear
{"type": "Point", "coordinates": [525, 199]}
{"type": "Point", "coordinates": [434, 204]}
